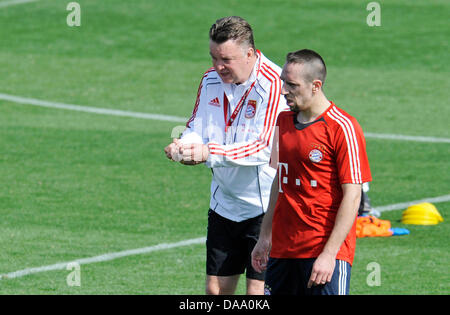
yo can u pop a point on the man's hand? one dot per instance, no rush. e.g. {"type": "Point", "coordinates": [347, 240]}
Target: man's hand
{"type": "Point", "coordinates": [188, 154]}
{"type": "Point", "coordinates": [322, 270]}
{"type": "Point", "coordinates": [194, 153]}
{"type": "Point", "coordinates": [172, 150]}
{"type": "Point", "coordinates": [260, 255]}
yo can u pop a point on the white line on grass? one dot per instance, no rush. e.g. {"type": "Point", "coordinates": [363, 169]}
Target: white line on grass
{"type": "Point", "coordinates": [405, 205]}
{"type": "Point", "coordinates": [94, 110]}
{"type": "Point", "coordinates": [123, 113]}
{"type": "Point", "coordinates": [163, 246]}
{"type": "Point", "coordinates": [405, 138]}
{"type": "Point", "coordinates": [4, 4]}
{"type": "Point", "coordinates": [101, 258]}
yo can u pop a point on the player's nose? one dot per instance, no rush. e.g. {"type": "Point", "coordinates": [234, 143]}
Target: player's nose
{"type": "Point", "coordinates": [218, 65]}
{"type": "Point", "coordinates": [283, 90]}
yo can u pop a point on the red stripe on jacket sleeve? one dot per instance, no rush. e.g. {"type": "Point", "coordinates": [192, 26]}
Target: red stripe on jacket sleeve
{"type": "Point", "coordinates": [197, 101]}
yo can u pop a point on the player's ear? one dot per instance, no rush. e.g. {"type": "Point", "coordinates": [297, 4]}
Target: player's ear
{"type": "Point", "coordinates": [317, 86]}
{"type": "Point", "coordinates": [250, 52]}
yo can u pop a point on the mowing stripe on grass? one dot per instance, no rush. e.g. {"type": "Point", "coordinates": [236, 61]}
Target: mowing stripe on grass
{"type": "Point", "coordinates": [163, 246]}
{"type": "Point", "coordinates": [123, 113]}
{"type": "Point", "coordinates": [4, 4]}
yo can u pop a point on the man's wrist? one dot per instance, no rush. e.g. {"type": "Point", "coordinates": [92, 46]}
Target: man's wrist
{"type": "Point", "coordinates": [330, 252]}
{"type": "Point", "coordinates": [265, 235]}
{"type": "Point", "coordinates": [205, 153]}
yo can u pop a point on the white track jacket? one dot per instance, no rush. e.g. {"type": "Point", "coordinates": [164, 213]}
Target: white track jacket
{"type": "Point", "coordinates": [238, 122]}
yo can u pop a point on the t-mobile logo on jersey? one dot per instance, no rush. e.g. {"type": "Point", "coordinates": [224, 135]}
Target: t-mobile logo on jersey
{"type": "Point", "coordinates": [284, 179]}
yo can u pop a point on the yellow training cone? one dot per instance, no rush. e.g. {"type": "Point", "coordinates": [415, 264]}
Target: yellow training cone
{"type": "Point", "coordinates": [421, 214]}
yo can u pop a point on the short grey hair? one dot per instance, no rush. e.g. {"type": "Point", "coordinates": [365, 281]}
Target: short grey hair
{"type": "Point", "coordinates": [232, 27]}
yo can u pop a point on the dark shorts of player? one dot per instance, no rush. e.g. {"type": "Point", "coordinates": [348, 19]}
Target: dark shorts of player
{"type": "Point", "coordinates": [229, 246]}
{"type": "Point", "coordinates": [291, 276]}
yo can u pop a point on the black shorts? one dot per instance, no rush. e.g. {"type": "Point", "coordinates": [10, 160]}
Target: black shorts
{"type": "Point", "coordinates": [290, 276]}
{"type": "Point", "coordinates": [229, 246]}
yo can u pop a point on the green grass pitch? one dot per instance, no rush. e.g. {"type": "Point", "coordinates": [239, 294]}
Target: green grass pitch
{"type": "Point", "coordinates": [77, 185]}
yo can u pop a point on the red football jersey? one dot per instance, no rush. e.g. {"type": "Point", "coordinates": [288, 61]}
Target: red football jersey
{"type": "Point", "coordinates": [314, 160]}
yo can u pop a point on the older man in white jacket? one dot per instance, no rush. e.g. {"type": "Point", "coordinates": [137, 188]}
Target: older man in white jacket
{"type": "Point", "coordinates": [231, 130]}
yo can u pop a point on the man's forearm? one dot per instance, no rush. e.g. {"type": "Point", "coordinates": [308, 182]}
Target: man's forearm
{"type": "Point", "coordinates": [345, 218]}
{"type": "Point", "coordinates": [260, 253]}
{"type": "Point", "coordinates": [266, 226]}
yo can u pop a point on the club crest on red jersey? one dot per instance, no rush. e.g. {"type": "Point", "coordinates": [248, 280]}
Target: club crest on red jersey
{"type": "Point", "coordinates": [251, 109]}
{"type": "Point", "coordinates": [315, 156]}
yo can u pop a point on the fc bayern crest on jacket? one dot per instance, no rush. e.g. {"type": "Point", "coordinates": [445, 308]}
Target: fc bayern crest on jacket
{"type": "Point", "coordinates": [251, 109]}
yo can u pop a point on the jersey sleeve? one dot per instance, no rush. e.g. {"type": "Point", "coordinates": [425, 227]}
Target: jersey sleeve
{"type": "Point", "coordinates": [194, 127]}
{"type": "Point", "coordinates": [257, 149]}
{"type": "Point", "coordinates": [351, 156]}
{"type": "Point", "coordinates": [275, 154]}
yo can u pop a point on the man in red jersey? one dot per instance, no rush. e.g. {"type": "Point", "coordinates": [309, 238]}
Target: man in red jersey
{"type": "Point", "coordinates": [309, 227]}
